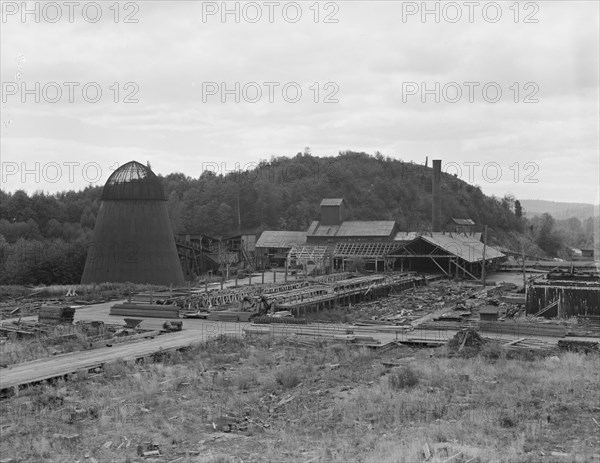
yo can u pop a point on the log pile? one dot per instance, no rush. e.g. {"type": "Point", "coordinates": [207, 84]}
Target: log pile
{"type": "Point", "coordinates": [56, 315]}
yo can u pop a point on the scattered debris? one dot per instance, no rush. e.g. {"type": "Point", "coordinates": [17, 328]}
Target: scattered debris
{"type": "Point", "coordinates": [67, 437]}
{"type": "Point", "coordinates": [577, 345]}
{"type": "Point", "coordinates": [426, 452]}
{"type": "Point", "coordinates": [173, 325]}
{"type": "Point", "coordinates": [148, 449]}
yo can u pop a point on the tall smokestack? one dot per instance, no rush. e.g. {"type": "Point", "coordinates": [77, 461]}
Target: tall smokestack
{"type": "Point", "coordinates": [436, 206]}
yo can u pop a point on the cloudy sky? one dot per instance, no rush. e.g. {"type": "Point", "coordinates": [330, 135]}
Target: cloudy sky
{"type": "Point", "coordinates": [506, 93]}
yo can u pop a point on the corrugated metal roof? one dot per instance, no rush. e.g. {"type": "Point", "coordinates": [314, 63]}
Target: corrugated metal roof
{"type": "Point", "coordinates": [280, 239]}
{"type": "Point", "coordinates": [381, 228]}
{"type": "Point", "coordinates": [405, 236]}
{"type": "Point", "coordinates": [465, 247]}
{"type": "Point", "coordinates": [332, 201]}
{"type": "Point", "coordinates": [468, 248]}
{"type": "Point", "coordinates": [365, 249]}
{"type": "Point", "coordinates": [314, 253]}
{"type": "Point", "coordinates": [463, 221]}
{"type": "Point", "coordinates": [411, 235]}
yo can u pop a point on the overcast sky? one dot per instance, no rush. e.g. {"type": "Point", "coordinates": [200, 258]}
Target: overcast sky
{"type": "Point", "coordinates": [369, 75]}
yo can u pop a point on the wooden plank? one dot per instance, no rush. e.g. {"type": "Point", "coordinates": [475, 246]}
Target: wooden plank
{"type": "Point", "coordinates": [545, 309]}
{"type": "Point", "coordinates": [466, 271]}
{"type": "Point", "coordinates": [144, 313]}
{"type": "Point", "coordinates": [64, 364]}
{"type": "Point", "coordinates": [434, 261]}
{"type": "Point", "coordinates": [515, 341]}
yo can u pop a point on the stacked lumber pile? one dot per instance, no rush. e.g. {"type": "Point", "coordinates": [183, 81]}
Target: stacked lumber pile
{"type": "Point", "coordinates": [22, 328]}
{"type": "Point", "coordinates": [56, 315]}
{"type": "Point", "coordinates": [445, 325]}
{"type": "Point", "coordinates": [363, 341]}
{"type": "Point", "coordinates": [265, 320]}
{"type": "Point", "coordinates": [578, 345]}
{"type": "Point", "coordinates": [320, 332]}
{"type": "Point", "coordinates": [513, 298]}
{"type": "Point", "coordinates": [587, 326]}
{"type": "Point", "coordinates": [523, 329]}
{"type": "Point", "coordinates": [229, 316]}
{"type": "Point", "coordinates": [145, 310]}
{"type": "Point", "coordinates": [531, 344]}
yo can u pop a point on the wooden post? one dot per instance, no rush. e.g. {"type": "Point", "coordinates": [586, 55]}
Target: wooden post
{"type": "Point", "coordinates": [274, 276]}
{"type": "Point", "coordinates": [483, 261]}
{"type": "Point", "coordinates": [559, 308]}
{"type": "Point", "coordinates": [236, 279]}
{"type": "Point", "coordinates": [263, 278]}
{"type": "Point", "coordinates": [250, 278]}
{"type": "Point", "coordinates": [524, 276]}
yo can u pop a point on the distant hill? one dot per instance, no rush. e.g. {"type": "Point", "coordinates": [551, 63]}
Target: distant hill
{"type": "Point", "coordinates": [558, 210]}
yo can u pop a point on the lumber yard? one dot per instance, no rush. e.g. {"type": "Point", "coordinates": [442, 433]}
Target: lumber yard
{"type": "Point", "coordinates": [363, 282]}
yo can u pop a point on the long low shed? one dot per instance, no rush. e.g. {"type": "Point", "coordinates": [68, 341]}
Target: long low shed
{"type": "Point", "coordinates": [563, 299]}
{"type": "Point", "coordinates": [448, 253]}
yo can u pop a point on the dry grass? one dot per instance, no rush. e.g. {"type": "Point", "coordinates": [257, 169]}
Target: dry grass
{"type": "Point", "coordinates": [58, 340]}
{"type": "Point", "coordinates": [84, 292]}
{"type": "Point", "coordinates": [332, 403]}
{"type": "Point", "coordinates": [288, 377]}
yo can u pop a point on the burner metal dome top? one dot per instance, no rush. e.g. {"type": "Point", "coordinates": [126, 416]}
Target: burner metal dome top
{"type": "Point", "coordinates": [133, 181]}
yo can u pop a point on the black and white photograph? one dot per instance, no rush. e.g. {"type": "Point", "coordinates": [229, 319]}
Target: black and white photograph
{"type": "Point", "coordinates": [300, 231]}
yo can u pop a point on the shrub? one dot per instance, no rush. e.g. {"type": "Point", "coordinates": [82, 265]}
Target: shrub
{"type": "Point", "coordinates": [493, 351]}
{"type": "Point", "coordinates": [245, 379]}
{"type": "Point", "coordinates": [403, 378]}
{"type": "Point", "coordinates": [287, 377]}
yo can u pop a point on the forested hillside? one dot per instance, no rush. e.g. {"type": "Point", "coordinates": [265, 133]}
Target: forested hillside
{"type": "Point", "coordinates": [43, 237]}
{"type": "Point", "coordinates": [285, 193]}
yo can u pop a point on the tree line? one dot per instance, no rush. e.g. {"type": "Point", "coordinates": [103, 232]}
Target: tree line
{"type": "Point", "coordinates": [43, 237]}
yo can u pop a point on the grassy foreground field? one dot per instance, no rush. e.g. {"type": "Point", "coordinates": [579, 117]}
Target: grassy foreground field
{"type": "Point", "coordinates": [259, 400]}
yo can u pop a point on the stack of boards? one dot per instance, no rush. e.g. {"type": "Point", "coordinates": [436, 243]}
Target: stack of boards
{"type": "Point", "coordinates": [145, 310]}
{"type": "Point", "coordinates": [229, 316]}
{"type": "Point", "coordinates": [56, 315]}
